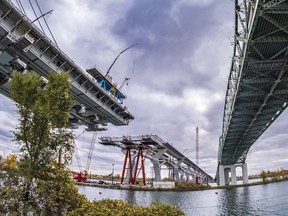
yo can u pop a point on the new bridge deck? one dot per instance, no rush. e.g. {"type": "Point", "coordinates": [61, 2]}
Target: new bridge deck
{"type": "Point", "coordinates": [24, 47]}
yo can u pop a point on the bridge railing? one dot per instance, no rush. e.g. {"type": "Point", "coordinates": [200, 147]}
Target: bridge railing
{"type": "Point", "coordinates": [244, 14]}
{"type": "Point", "coordinates": [237, 59]}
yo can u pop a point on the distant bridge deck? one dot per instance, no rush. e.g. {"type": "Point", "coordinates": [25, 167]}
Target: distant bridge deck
{"type": "Point", "coordinates": [153, 144]}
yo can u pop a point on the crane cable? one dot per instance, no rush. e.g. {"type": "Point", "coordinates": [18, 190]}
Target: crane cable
{"type": "Point", "coordinates": [117, 58]}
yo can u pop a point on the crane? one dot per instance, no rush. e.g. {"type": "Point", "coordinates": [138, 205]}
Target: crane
{"type": "Point", "coordinates": [125, 81]}
{"type": "Point", "coordinates": [82, 175]}
{"type": "Point", "coordinates": [91, 151]}
{"type": "Point", "coordinates": [117, 58]}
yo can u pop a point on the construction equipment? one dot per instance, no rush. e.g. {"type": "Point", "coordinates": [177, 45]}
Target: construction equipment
{"type": "Point", "coordinates": [197, 154]}
{"type": "Point", "coordinates": [91, 151]}
{"type": "Point", "coordinates": [117, 58]}
{"type": "Point", "coordinates": [81, 176]}
{"type": "Point", "coordinates": [125, 81]}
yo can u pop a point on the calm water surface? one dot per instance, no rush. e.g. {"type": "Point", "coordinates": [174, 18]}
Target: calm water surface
{"type": "Point", "coordinates": [270, 199]}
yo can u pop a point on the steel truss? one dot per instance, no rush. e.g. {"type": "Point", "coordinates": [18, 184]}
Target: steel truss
{"type": "Point", "coordinates": [257, 90]}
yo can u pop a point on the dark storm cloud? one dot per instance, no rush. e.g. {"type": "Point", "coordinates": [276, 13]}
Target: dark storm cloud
{"type": "Point", "coordinates": [215, 116]}
{"type": "Point", "coordinates": [166, 37]}
{"type": "Point", "coordinates": [150, 23]}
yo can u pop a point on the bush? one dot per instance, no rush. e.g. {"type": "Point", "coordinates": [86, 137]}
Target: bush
{"type": "Point", "coordinates": [121, 208]}
{"type": "Point", "coordinates": [190, 186]}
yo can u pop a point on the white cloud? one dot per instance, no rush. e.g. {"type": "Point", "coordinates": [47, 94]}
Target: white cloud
{"type": "Point", "coordinates": [83, 30]}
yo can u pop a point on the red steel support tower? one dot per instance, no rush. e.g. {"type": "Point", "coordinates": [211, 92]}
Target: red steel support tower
{"type": "Point", "coordinates": [133, 168]}
{"type": "Point", "coordinates": [197, 153]}
{"type": "Point", "coordinates": [197, 146]}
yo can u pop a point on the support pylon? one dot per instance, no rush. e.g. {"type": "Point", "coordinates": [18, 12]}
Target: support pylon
{"type": "Point", "coordinates": [197, 154]}
{"type": "Point", "coordinates": [133, 170]}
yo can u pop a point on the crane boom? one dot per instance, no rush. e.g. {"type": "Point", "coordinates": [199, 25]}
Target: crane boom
{"type": "Point", "coordinates": [91, 151]}
{"type": "Point", "coordinates": [117, 58]}
{"type": "Point", "coordinates": [77, 156]}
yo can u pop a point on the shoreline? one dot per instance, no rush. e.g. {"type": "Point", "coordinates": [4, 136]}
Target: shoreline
{"type": "Point", "coordinates": [201, 187]}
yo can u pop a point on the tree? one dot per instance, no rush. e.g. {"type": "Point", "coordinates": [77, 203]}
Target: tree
{"type": "Point", "coordinates": [42, 184]}
{"type": "Point", "coordinates": [9, 163]}
{"type": "Point", "coordinates": [264, 175]}
{"type": "Point", "coordinates": [282, 173]}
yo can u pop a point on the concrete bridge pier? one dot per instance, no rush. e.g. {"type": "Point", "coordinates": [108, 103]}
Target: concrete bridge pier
{"type": "Point", "coordinates": [224, 171]}
{"type": "Point", "coordinates": [187, 175]}
{"type": "Point", "coordinates": [193, 176]}
{"type": "Point", "coordinates": [156, 165]}
{"type": "Point", "coordinates": [245, 173]}
{"type": "Point", "coordinates": [182, 175]}
{"type": "Point", "coordinates": [176, 170]}
{"type": "Point", "coordinates": [200, 178]}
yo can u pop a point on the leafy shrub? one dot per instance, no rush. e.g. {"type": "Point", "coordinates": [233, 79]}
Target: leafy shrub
{"type": "Point", "coordinates": [121, 208]}
{"type": "Point", "coordinates": [190, 186]}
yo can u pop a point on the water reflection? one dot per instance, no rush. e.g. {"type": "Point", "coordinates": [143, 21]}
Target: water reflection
{"type": "Point", "coordinates": [129, 196]}
{"type": "Point", "coordinates": [270, 199]}
{"type": "Point", "coordinates": [234, 201]}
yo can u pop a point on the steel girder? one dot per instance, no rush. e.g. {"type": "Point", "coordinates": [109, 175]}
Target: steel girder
{"type": "Point", "coordinates": [257, 91]}
{"type": "Point", "coordinates": [152, 144]}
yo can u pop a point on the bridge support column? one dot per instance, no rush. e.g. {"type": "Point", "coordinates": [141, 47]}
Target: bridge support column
{"type": "Point", "coordinates": [157, 170]}
{"type": "Point", "coordinates": [200, 178]}
{"type": "Point", "coordinates": [187, 176]}
{"type": "Point", "coordinates": [130, 156]}
{"type": "Point", "coordinates": [176, 170]}
{"type": "Point", "coordinates": [176, 173]}
{"type": "Point", "coordinates": [233, 175]}
{"type": "Point", "coordinates": [224, 174]}
{"type": "Point", "coordinates": [244, 173]}
{"type": "Point", "coordinates": [156, 165]}
{"type": "Point", "coordinates": [221, 175]}
{"type": "Point", "coordinates": [182, 176]}
{"type": "Point", "coordinates": [193, 176]}
{"type": "Point", "coordinates": [206, 181]}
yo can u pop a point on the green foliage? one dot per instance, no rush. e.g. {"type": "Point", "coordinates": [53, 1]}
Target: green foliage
{"type": "Point", "coordinates": [121, 208]}
{"type": "Point", "coordinates": [41, 183]}
{"type": "Point", "coordinates": [276, 175]}
{"type": "Point", "coordinates": [44, 113]}
{"type": "Point", "coordinates": [38, 183]}
{"type": "Point", "coordinates": [167, 179]}
{"type": "Point", "coordinates": [264, 175]}
{"type": "Point", "coordinates": [9, 163]}
{"type": "Point", "coordinates": [190, 186]}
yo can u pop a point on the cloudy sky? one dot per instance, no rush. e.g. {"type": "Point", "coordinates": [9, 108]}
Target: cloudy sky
{"type": "Point", "coordinates": [179, 72]}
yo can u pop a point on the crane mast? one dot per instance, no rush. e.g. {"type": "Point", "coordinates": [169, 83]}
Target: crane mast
{"type": "Point", "coordinates": [197, 146]}
{"type": "Point", "coordinates": [91, 151]}
{"type": "Point", "coordinates": [82, 175]}
{"type": "Point", "coordinates": [197, 155]}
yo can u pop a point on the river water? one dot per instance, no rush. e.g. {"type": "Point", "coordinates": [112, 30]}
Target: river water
{"type": "Point", "coordinates": [269, 199]}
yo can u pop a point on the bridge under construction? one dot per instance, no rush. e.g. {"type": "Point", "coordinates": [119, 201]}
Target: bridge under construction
{"type": "Point", "coordinates": [24, 47]}
{"type": "Point", "coordinates": [160, 153]}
